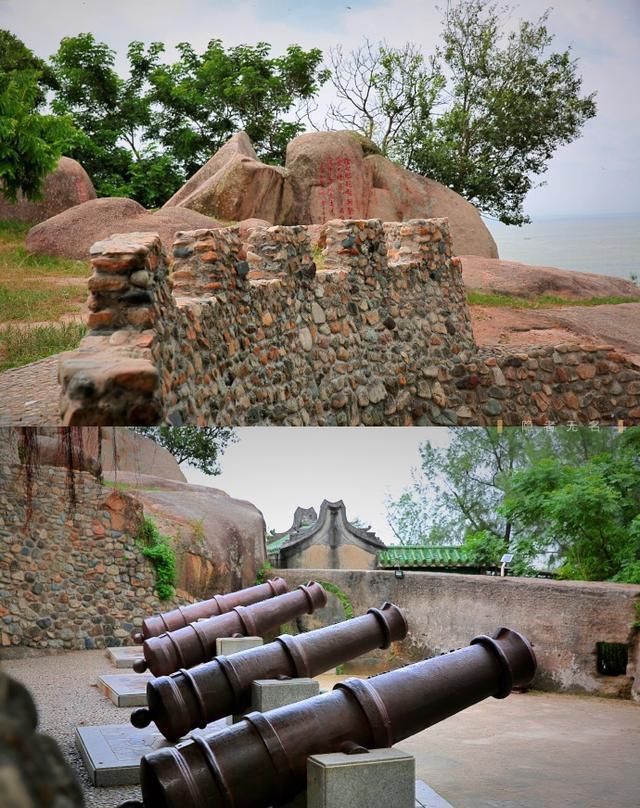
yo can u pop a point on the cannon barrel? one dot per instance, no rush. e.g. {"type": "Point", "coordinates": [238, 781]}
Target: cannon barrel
{"type": "Point", "coordinates": [261, 760]}
{"type": "Point", "coordinates": [189, 699]}
{"type": "Point", "coordinates": [219, 604]}
{"type": "Point", "coordinates": [196, 642]}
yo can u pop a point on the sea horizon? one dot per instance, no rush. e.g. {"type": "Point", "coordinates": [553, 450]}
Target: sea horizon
{"type": "Point", "coordinates": [604, 243]}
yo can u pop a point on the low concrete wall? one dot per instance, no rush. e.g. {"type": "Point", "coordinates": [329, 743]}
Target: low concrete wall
{"type": "Point", "coordinates": [563, 619]}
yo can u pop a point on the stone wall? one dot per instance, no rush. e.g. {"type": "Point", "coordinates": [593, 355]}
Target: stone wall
{"type": "Point", "coordinates": [71, 577]}
{"type": "Point", "coordinates": [376, 330]}
{"type": "Point", "coordinates": [563, 619]}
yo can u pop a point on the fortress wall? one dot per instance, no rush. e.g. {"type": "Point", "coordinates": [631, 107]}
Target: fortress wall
{"type": "Point", "coordinates": [376, 330]}
{"type": "Point", "coordinates": [71, 577]}
{"type": "Point", "coordinates": [563, 619]}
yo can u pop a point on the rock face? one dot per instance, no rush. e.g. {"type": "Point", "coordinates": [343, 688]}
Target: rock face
{"type": "Point", "coordinates": [68, 185]}
{"type": "Point", "coordinates": [219, 540]}
{"type": "Point", "coordinates": [524, 280]}
{"type": "Point", "coordinates": [70, 234]}
{"type": "Point", "coordinates": [328, 175]}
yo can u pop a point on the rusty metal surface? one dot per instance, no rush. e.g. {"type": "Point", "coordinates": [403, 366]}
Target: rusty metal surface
{"type": "Point", "coordinates": [261, 760]}
{"type": "Point", "coordinates": [196, 643]}
{"type": "Point", "coordinates": [193, 698]}
{"type": "Point", "coordinates": [158, 624]}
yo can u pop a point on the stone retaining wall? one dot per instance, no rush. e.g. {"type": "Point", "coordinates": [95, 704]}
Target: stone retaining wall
{"type": "Point", "coordinates": [376, 330]}
{"type": "Point", "coordinates": [70, 577]}
{"type": "Point", "coordinates": [563, 619]}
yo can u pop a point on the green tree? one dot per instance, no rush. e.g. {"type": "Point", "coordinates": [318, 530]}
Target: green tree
{"type": "Point", "coordinates": [590, 513]}
{"type": "Point", "coordinates": [203, 99]}
{"type": "Point", "coordinates": [30, 143]}
{"type": "Point", "coordinates": [143, 135]}
{"type": "Point", "coordinates": [201, 447]}
{"type": "Point", "coordinates": [114, 119]}
{"type": "Point", "coordinates": [497, 106]}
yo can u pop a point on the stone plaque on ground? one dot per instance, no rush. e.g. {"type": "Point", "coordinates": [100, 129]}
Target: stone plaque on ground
{"type": "Point", "coordinates": [125, 689]}
{"type": "Point", "coordinates": [124, 657]}
{"type": "Point", "coordinates": [112, 752]}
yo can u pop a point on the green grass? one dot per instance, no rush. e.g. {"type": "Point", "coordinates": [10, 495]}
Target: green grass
{"type": "Point", "coordinates": [14, 257]}
{"type": "Point", "coordinates": [542, 302]}
{"type": "Point", "coordinates": [19, 346]}
{"type": "Point", "coordinates": [39, 303]}
{"type": "Point", "coordinates": [129, 486]}
{"type": "Point", "coordinates": [318, 257]}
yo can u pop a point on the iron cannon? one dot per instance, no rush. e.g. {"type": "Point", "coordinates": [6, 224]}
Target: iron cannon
{"type": "Point", "coordinates": [261, 760]}
{"type": "Point", "coordinates": [218, 604]}
{"type": "Point", "coordinates": [196, 642]}
{"type": "Point", "coordinates": [189, 699]}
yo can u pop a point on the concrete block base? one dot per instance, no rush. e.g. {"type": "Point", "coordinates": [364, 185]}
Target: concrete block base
{"type": "Point", "coordinates": [124, 657]}
{"type": "Point", "coordinates": [378, 777]}
{"type": "Point", "coordinates": [269, 694]}
{"type": "Point", "coordinates": [125, 689]}
{"type": "Point", "coordinates": [225, 646]}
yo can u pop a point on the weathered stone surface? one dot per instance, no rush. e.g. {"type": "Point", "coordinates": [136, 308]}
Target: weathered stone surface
{"type": "Point", "coordinates": [563, 619]}
{"type": "Point", "coordinates": [525, 280]}
{"type": "Point", "coordinates": [375, 777]}
{"type": "Point", "coordinates": [376, 330]}
{"type": "Point", "coordinates": [66, 186]}
{"type": "Point", "coordinates": [328, 175]}
{"type": "Point", "coordinates": [71, 233]}
{"type": "Point", "coordinates": [233, 645]}
{"type": "Point", "coordinates": [270, 694]}
{"type": "Point", "coordinates": [125, 689]}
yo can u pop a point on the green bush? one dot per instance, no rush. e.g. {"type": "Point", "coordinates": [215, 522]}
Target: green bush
{"type": "Point", "coordinates": [263, 573]}
{"type": "Point", "coordinates": [342, 597]}
{"type": "Point", "coordinates": [157, 548]}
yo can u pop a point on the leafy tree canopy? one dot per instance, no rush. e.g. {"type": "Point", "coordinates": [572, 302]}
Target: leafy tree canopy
{"type": "Point", "coordinates": [30, 143]}
{"type": "Point", "coordinates": [144, 135]}
{"type": "Point", "coordinates": [201, 447]}
{"type": "Point", "coordinates": [484, 115]}
{"type": "Point", "coordinates": [567, 494]}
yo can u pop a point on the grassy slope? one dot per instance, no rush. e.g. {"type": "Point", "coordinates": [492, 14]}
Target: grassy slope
{"type": "Point", "coordinates": [35, 292]}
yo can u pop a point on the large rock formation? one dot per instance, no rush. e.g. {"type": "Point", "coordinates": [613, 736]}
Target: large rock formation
{"type": "Point", "coordinates": [71, 233]}
{"type": "Point", "coordinates": [327, 175]}
{"type": "Point", "coordinates": [525, 280]}
{"type": "Point", "coordinates": [68, 185]}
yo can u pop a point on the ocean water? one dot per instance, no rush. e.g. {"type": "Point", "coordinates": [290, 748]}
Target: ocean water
{"type": "Point", "coordinates": [608, 245]}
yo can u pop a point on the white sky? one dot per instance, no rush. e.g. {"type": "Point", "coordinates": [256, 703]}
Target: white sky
{"type": "Point", "coordinates": [600, 173]}
{"type": "Point", "coordinates": [279, 468]}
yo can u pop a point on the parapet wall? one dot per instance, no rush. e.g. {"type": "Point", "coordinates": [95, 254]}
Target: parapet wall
{"type": "Point", "coordinates": [71, 576]}
{"type": "Point", "coordinates": [563, 619]}
{"type": "Point", "coordinates": [373, 330]}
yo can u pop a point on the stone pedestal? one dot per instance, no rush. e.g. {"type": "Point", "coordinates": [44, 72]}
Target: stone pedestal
{"type": "Point", "coordinates": [231, 645]}
{"type": "Point", "coordinates": [124, 657]}
{"type": "Point", "coordinates": [125, 689]}
{"type": "Point", "coordinates": [269, 694]}
{"type": "Point", "coordinates": [384, 777]}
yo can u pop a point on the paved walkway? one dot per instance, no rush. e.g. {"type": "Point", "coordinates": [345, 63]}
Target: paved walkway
{"type": "Point", "coordinates": [527, 751]}
{"type": "Point", "coordinates": [29, 394]}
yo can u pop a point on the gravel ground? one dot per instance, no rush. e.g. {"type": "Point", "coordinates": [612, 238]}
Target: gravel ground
{"type": "Point", "coordinates": [66, 696]}
{"type": "Point", "coordinates": [526, 751]}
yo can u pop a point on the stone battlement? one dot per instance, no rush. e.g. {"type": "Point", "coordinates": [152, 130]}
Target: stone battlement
{"type": "Point", "coordinates": [372, 329]}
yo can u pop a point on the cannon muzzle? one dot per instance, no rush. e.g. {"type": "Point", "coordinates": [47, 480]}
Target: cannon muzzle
{"type": "Point", "coordinates": [196, 642]}
{"type": "Point", "coordinates": [219, 604]}
{"type": "Point", "coordinates": [261, 760]}
{"type": "Point", "coordinates": [189, 699]}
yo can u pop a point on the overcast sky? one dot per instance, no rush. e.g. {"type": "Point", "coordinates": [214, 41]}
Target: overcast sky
{"type": "Point", "coordinates": [279, 468]}
{"type": "Point", "coordinates": [600, 173]}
